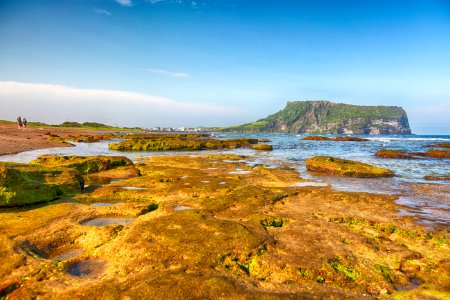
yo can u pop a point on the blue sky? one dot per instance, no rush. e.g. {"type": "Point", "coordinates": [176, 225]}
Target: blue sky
{"type": "Point", "coordinates": [221, 62]}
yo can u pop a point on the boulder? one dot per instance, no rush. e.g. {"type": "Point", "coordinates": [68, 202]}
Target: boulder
{"type": "Point", "coordinates": [343, 167]}
{"type": "Point", "coordinates": [22, 184]}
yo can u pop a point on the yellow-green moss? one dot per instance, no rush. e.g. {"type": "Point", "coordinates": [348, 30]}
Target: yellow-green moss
{"type": "Point", "coordinates": [24, 184]}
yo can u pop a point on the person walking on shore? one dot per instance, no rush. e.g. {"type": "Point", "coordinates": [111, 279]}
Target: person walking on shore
{"type": "Point", "coordinates": [19, 122]}
{"type": "Point", "coordinates": [25, 122]}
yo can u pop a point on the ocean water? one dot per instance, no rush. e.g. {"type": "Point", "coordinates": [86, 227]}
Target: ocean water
{"type": "Point", "coordinates": [427, 200]}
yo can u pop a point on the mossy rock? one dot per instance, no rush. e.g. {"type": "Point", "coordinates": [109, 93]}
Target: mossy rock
{"type": "Point", "coordinates": [387, 153]}
{"type": "Point", "coordinates": [316, 138]}
{"type": "Point", "coordinates": [438, 153]}
{"type": "Point", "coordinates": [440, 145]}
{"type": "Point", "coordinates": [263, 147]}
{"type": "Point", "coordinates": [184, 144]}
{"type": "Point", "coordinates": [22, 184]}
{"type": "Point", "coordinates": [343, 167]}
{"type": "Point", "coordinates": [84, 164]}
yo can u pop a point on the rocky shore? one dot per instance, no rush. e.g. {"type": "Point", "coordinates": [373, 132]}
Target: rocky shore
{"type": "Point", "coordinates": [209, 226]}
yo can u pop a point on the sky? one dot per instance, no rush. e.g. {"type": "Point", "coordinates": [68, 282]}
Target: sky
{"type": "Point", "coordinates": [221, 62]}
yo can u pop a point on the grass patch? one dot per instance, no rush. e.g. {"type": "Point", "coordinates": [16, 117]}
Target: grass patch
{"type": "Point", "coordinates": [336, 264]}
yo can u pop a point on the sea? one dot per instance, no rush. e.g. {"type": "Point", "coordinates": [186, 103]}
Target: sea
{"type": "Point", "coordinates": [427, 201]}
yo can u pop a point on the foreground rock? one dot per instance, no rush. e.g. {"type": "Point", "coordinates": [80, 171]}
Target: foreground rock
{"type": "Point", "coordinates": [22, 184]}
{"type": "Point", "coordinates": [343, 167]}
{"type": "Point", "coordinates": [84, 164]}
{"type": "Point", "coordinates": [251, 236]}
{"type": "Point", "coordinates": [337, 139]}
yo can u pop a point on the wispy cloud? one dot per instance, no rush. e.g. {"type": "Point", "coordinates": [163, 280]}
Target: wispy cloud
{"type": "Point", "coordinates": [169, 73]}
{"type": "Point", "coordinates": [187, 2]}
{"type": "Point", "coordinates": [57, 103]}
{"type": "Point", "coordinates": [125, 2]}
{"type": "Point", "coordinates": [101, 11]}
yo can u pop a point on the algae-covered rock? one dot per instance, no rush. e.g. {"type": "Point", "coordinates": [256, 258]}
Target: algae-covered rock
{"type": "Point", "coordinates": [437, 178]}
{"type": "Point", "coordinates": [316, 138]}
{"type": "Point", "coordinates": [263, 147]}
{"type": "Point", "coordinates": [84, 164]}
{"type": "Point", "coordinates": [438, 153]}
{"type": "Point", "coordinates": [388, 153]}
{"type": "Point", "coordinates": [185, 144]}
{"type": "Point", "coordinates": [25, 184]}
{"type": "Point", "coordinates": [440, 145]}
{"type": "Point", "coordinates": [343, 167]}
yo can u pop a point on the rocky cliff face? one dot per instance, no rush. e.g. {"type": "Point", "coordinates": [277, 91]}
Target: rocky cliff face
{"type": "Point", "coordinates": [333, 118]}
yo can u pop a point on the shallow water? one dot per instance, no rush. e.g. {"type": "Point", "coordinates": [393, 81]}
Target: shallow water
{"type": "Point", "coordinates": [67, 255]}
{"type": "Point", "coordinates": [239, 172]}
{"type": "Point", "coordinates": [133, 188]}
{"type": "Point", "coordinates": [107, 221]}
{"type": "Point", "coordinates": [309, 183]}
{"type": "Point", "coordinates": [181, 207]}
{"type": "Point", "coordinates": [289, 148]}
{"type": "Point", "coordinates": [91, 268]}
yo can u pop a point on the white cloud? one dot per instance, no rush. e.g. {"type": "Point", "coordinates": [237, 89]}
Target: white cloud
{"type": "Point", "coordinates": [125, 2]}
{"type": "Point", "coordinates": [102, 12]}
{"type": "Point", "coordinates": [57, 103]}
{"type": "Point", "coordinates": [169, 73]}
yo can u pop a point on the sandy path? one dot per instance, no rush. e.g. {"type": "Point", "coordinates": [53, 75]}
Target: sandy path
{"type": "Point", "coordinates": [14, 140]}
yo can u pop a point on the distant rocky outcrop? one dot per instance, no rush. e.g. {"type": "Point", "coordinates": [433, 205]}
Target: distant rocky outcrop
{"type": "Point", "coordinates": [332, 118]}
